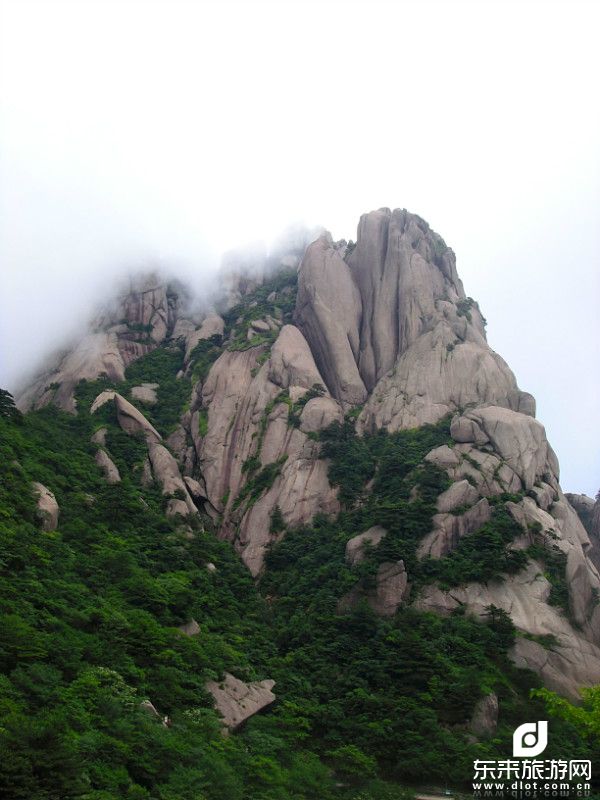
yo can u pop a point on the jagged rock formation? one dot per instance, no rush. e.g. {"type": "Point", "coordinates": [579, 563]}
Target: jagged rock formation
{"type": "Point", "coordinates": [384, 329]}
{"type": "Point", "coordinates": [48, 509]}
{"type": "Point", "coordinates": [236, 701]}
{"type": "Point", "coordinates": [108, 466]}
{"type": "Point", "coordinates": [141, 318]}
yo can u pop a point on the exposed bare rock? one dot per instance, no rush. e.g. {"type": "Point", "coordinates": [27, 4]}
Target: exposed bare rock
{"type": "Point", "coordinates": [356, 547]}
{"type": "Point", "coordinates": [489, 473]}
{"type": "Point", "coordinates": [108, 466]}
{"type": "Point", "coordinates": [301, 490]}
{"type": "Point", "coordinates": [236, 701]}
{"type": "Point", "coordinates": [328, 311]}
{"type": "Point", "coordinates": [319, 413]}
{"type": "Point", "coordinates": [146, 478]}
{"type": "Point", "coordinates": [402, 268]}
{"type": "Point", "coordinates": [212, 325]}
{"type": "Point", "coordinates": [48, 509]}
{"type": "Point", "coordinates": [588, 512]}
{"type": "Point", "coordinates": [391, 588]}
{"type": "Point", "coordinates": [429, 380]}
{"type": "Point", "coordinates": [449, 529]}
{"type": "Point", "coordinates": [484, 719]}
{"type": "Point", "coordinates": [142, 317]}
{"type": "Point", "coordinates": [195, 488]}
{"type": "Point", "coordinates": [291, 362]}
{"type": "Point", "coordinates": [102, 399]}
{"type": "Point", "coordinates": [177, 443]}
{"type": "Point", "coordinates": [573, 662]}
{"type": "Point", "coordinates": [133, 421]}
{"type": "Point", "coordinates": [94, 355]}
{"type": "Point", "coordinates": [166, 472]}
{"type": "Point", "coordinates": [463, 429]}
{"type": "Point", "coordinates": [517, 438]}
{"type": "Point", "coordinates": [176, 507]}
{"type": "Point", "coordinates": [150, 708]}
{"type": "Point", "coordinates": [531, 517]}
{"type": "Point", "coordinates": [459, 494]}
{"type": "Point", "coordinates": [99, 437]}
{"type": "Point", "coordinates": [443, 457]}
{"type": "Point", "coordinates": [238, 399]}
{"type": "Point", "coordinates": [260, 326]}
{"type": "Point", "coordinates": [190, 628]}
{"type": "Point", "coordinates": [146, 393]}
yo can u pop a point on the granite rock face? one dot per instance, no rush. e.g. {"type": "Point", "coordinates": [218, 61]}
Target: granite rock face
{"type": "Point", "coordinates": [143, 316]}
{"type": "Point", "coordinates": [47, 506]}
{"type": "Point", "coordinates": [108, 467]}
{"type": "Point", "coordinates": [237, 701]}
{"type": "Point", "coordinates": [384, 330]}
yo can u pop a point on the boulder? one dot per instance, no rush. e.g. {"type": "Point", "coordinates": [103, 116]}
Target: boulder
{"type": "Point", "coordinates": [319, 413]}
{"type": "Point", "coordinates": [391, 588]}
{"type": "Point", "coordinates": [102, 399]}
{"type": "Point", "coordinates": [484, 719]}
{"type": "Point", "coordinates": [356, 547]}
{"type": "Point", "coordinates": [146, 393]}
{"type": "Point", "coordinates": [459, 494]}
{"type": "Point", "coordinates": [517, 438]}
{"type": "Point", "coordinates": [443, 457]}
{"type": "Point", "coordinates": [237, 701]}
{"type": "Point", "coordinates": [166, 473]}
{"type": "Point", "coordinates": [48, 509]}
{"type": "Point", "coordinates": [99, 437]}
{"type": "Point", "coordinates": [133, 421]}
{"type": "Point", "coordinates": [449, 529]}
{"type": "Point", "coordinates": [190, 628]}
{"type": "Point", "coordinates": [108, 467]}
{"type": "Point", "coordinates": [291, 362]}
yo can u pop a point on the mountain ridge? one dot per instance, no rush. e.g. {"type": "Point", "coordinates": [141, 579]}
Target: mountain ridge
{"type": "Point", "coordinates": [338, 416]}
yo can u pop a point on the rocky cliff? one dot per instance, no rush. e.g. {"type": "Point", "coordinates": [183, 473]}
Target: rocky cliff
{"type": "Point", "coordinates": [376, 336]}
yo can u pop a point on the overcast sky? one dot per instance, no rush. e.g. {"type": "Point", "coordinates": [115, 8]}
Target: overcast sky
{"type": "Point", "coordinates": [164, 132]}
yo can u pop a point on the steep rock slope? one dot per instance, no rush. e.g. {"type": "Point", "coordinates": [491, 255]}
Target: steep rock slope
{"type": "Point", "coordinates": [371, 339]}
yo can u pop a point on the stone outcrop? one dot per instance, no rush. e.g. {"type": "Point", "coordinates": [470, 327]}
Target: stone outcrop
{"type": "Point", "coordinates": [329, 311]}
{"type": "Point", "coordinates": [190, 628]}
{"type": "Point", "coordinates": [385, 598]}
{"type": "Point", "coordinates": [517, 438]}
{"type": "Point", "coordinates": [166, 472]}
{"type": "Point", "coordinates": [385, 325]}
{"type": "Point", "coordinates": [237, 701]}
{"type": "Point", "coordinates": [484, 720]}
{"type": "Point", "coordinates": [133, 421]}
{"type": "Point", "coordinates": [245, 421]}
{"type": "Point", "coordinates": [108, 466]}
{"type": "Point", "coordinates": [357, 546]}
{"type": "Point", "coordinates": [449, 529]}
{"type": "Point", "coordinates": [142, 317]}
{"type": "Point", "coordinates": [146, 393]}
{"type": "Point", "coordinates": [572, 662]}
{"type": "Point", "coordinates": [48, 510]}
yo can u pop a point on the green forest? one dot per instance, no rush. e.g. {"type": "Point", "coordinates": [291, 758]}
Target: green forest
{"type": "Point", "coordinates": [367, 707]}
